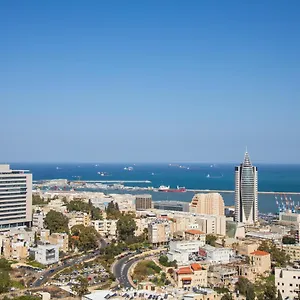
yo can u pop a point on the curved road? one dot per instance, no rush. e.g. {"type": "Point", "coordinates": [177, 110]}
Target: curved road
{"type": "Point", "coordinates": [67, 263]}
{"type": "Point", "coordinates": [121, 269]}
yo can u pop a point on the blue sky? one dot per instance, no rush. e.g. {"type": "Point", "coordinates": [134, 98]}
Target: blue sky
{"type": "Point", "coordinates": [147, 81]}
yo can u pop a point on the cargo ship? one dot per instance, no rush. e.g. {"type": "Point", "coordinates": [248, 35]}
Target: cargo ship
{"type": "Point", "coordinates": [167, 189]}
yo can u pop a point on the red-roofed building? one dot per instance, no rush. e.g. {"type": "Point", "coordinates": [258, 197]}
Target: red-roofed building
{"type": "Point", "coordinates": [197, 276]}
{"type": "Point", "coordinates": [195, 234]}
{"type": "Point", "coordinates": [261, 260]}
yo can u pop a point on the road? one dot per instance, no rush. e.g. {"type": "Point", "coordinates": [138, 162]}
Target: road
{"type": "Point", "coordinates": [121, 269]}
{"type": "Point", "coordinates": [44, 276]}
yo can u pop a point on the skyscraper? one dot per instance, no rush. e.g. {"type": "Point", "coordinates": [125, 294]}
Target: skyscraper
{"type": "Point", "coordinates": [246, 208]}
{"type": "Point", "coordinates": [15, 198]}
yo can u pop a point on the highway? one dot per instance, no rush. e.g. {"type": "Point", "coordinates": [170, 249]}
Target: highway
{"type": "Point", "coordinates": [44, 276]}
{"type": "Point", "coordinates": [121, 270]}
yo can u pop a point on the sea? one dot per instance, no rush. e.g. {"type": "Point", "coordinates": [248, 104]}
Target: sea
{"type": "Point", "coordinates": [275, 178]}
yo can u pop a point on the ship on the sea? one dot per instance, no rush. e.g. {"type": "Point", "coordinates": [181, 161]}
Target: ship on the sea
{"type": "Point", "coordinates": [179, 189]}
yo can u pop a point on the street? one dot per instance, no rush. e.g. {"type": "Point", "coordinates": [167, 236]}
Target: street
{"type": "Point", "coordinates": [121, 270]}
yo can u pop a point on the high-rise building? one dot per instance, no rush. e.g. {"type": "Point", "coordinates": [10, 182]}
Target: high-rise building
{"type": "Point", "coordinates": [15, 198]}
{"type": "Point", "coordinates": [143, 202]}
{"type": "Point", "coordinates": [209, 204]}
{"type": "Point", "coordinates": [246, 203]}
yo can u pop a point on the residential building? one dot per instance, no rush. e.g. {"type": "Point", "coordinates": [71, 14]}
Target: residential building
{"type": "Point", "coordinates": [293, 251]}
{"type": "Point", "coordinates": [209, 203]}
{"type": "Point", "coordinates": [287, 281]}
{"type": "Point", "coordinates": [246, 200]}
{"type": "Point", "coordinates": [180, 250]}
{"type": "Point", "coordinates": [46, 254]}
{"type": "Point", "coordinates": [38, 219]}
{"type": "Point", "coordinates": [106, 227]}
{"type": "Point", "coordinates": [60, 239]}
{"type": "Point", "coordinates": [143, 202]}
{"type": "Point", "coordinates": [159, 231]}
{"type": "Point", "coordinates": [15, 198]}
{"type": "Point", "coordinates": [191, 276]}
{"type": "Point", "coordinates": [195, 234]}
{"type": "Point", "coordinates": [216, 255]}
{"type": "Point", "coordinates": [171, 205]}
{"type": "Point", "coordinates": [247, 247]}
{"type": "Point", "coordinates": [261, 260]}
{"type": "Point", "coordinates": [79, 218]}
{"type": "Point", "coordinates": [202, 294]}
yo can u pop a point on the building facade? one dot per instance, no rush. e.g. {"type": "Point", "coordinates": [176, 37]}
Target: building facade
{"type": "Point", "coordinates": [261, 260]}
{"type": "Point", "coordinates": [191, 276]}
{"type": "Point", "coordinates": [46, 254]}
{"type": "Point", "coordinates": [159, 231]}
{"type": "Point", "coordinates": [143, 202]}
{"type": "Point", "coordinates": [15, 198]}
{"type": "Point", "coordinates": [209, 203]}
{"type": "Point", "coordinates": [287, 281]}
{"type": "Point", "coordinates": [246, 199]}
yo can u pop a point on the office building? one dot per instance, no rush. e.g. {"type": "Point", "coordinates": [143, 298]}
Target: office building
{"type": "Point", "coordinates": [143, 202]}
{"type": "Point", "coordinates": [287, 281]}
{"type": "Point", "coordinates": [246, 201]}
{"type": "Point", "coordinates": [15, 198]}
{"type": "Point", "coordinates": [209, 203]}
{"type": "Point", "coordinates": [172, 205]}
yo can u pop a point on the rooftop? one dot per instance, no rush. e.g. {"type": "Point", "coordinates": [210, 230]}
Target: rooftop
{"type": "Point", "coordinates": [196, 267]}
{"type": "Point", "coordinates": [194, 231]}
{"type": "Point", "coordinates": [260, 253]}
{"type": "Point", "coordinates": [184, 270]}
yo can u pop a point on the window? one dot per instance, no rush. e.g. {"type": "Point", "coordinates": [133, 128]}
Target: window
{"type": "Point", "coordinates": [291, 284]}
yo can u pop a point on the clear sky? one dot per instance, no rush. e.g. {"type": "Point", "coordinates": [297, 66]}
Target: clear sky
{"type": "Point", "coordinates": [149, 81]}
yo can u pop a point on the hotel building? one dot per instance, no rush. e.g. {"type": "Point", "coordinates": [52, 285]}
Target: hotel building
{"type": "Point", "coordinates": [15, 198]}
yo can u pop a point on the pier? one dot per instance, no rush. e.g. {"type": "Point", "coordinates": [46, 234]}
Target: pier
{"type": "Point", "coordinates": [231, 191]}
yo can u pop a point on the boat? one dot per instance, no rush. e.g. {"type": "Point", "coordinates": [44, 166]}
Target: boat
{"type": "Point", "coordinates": [167, 189]}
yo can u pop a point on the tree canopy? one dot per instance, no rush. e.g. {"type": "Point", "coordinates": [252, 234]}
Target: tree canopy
{"type": "Point", "coordinates": [289, 240]}
{"type": "Point", "coordinates": [164, 261]}
{"type": "Point", "coordinates": [211, 239]}
{"type": "Point", "coordinates": [112, 211]}
{"type": "Point", "coordinates": [87, 237]}
{"type": "Point", "coordinates": [56, 221]}
{"type": "Point", "coordinates": [278, 256]}
{"type": "Point", "coordinates": [126, 227]}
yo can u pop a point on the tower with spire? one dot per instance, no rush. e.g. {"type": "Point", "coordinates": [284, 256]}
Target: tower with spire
{"type": "Point", "coordinates": [246, 200]}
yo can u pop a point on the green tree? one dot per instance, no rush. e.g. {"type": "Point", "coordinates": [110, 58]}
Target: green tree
{"type": "Point", "coordinates": [227, 296]}
{"type": "Point", "coordinates": [270, 291]}
{"type": "Point", "coordinates": [5, 264]}
{"type": "Point", "coordinates": [81, 288]}
{"type": "Point", "coordinates": [243, 285]}
{"type": "Point", "coordinates": [126, 227]}
{"type": "Point", "coordinates": [78, 205]}
{"type": "Point", "coordinates": [56, 222]}
{"type": "Point", "coordinates": [211, 239]}
{"type": "Point", "coordinates": [112, 211]}
{"type": "Point", "coordinates": [5, 282]}
{"type": "Point", "coordinates": [88, 237]}
{"type": "Point", "coordinates": [288, 240]}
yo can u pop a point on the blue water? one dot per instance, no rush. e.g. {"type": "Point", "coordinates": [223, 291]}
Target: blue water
{"type": "Point", "coordinates": [278, 178]}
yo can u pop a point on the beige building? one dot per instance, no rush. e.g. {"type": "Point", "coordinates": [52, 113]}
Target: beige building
{"type": "Point", "coordinates": [79, 218]}
{"type": "Point", "coordinates": [191, 276]}
{"type": "Point", "coordinates": [195, 234]}
{"type": "Point", "coordinates": [15, 198]}
{"type": "Point", "coordinates": [287, 281]}
{"type": "Point", "coordinates": [143, 202]}
{"type": "Point", "coordinates": [106, 228]}
{"type": "Point", "coordinates": [293, 251]}
{"type": "Point", "coordinates": [159, 231]}
{"type": "Point", "coordinates": [210, 204]}
{"type": "Point", "coordinates": [261, 260]}
{"type": "Point", "coordinates": [60, 239]}
{"type": "Point", "coordinates": [247, 247]}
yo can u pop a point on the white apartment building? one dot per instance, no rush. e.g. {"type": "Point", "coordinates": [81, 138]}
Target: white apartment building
{"type": "Point", "coordinates": [15, 198]}
{"type": "Point", "coordinates": [216, 255]}
{"type": "Point", "coordinates": [106, 227]}
{"type": "Point", "coordinates": [287, 281]}
{"type": "Point", "coordinates": [46, 254]}
{"type": "Point", "coordinates": [38, 219]}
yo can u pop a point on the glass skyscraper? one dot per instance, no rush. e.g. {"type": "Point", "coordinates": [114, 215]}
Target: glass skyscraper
{"type": "Point", "coordinates": [246, 203]}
